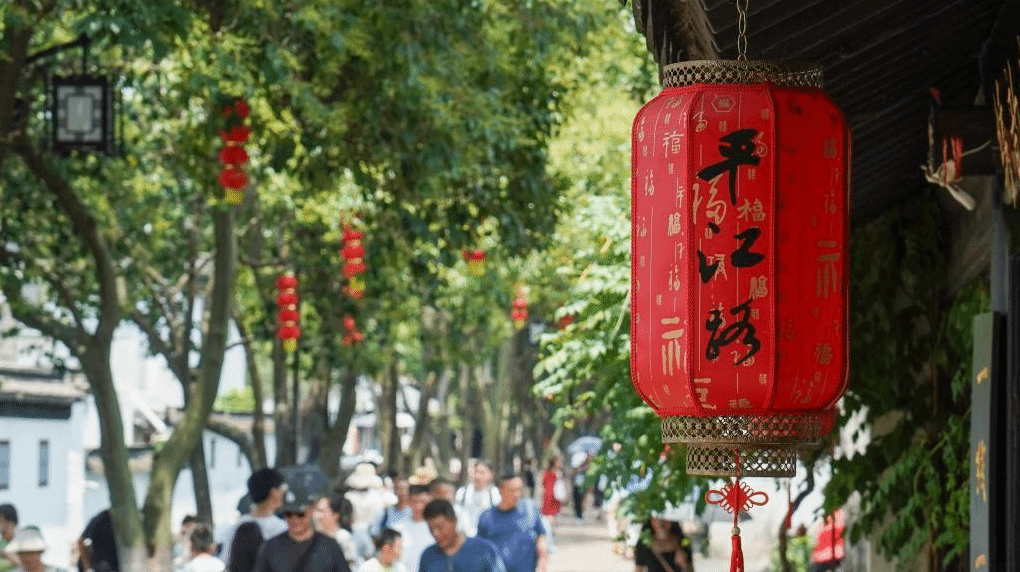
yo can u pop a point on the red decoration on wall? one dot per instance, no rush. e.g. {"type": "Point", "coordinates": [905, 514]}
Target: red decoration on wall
{"type": "Point", "coordinates": [739, 335]}
{"type": "Point", "coordinates": [476, 261]}
{"type": "Point", "coordinates": [287, 316]}
{"type": "Point", "coordinates": [354, 262]}
{"type": "Point", "coordinates": [232, 177]}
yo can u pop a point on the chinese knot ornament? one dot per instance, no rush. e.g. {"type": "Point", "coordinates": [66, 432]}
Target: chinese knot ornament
{"type": "Point", "coordinates": [739, 333]}
{"type": "Point", "coordinates": [354, 262]}
{"type": "Point", "coordinates": [235, 134]}
{"type": "Point", "coordinates": [476, 261]}
{"type": "Point", "coordinates": [287, 315]}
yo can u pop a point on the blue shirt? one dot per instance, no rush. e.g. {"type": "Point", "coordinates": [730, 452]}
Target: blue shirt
{"type": "Point", "coordinates": [514, 533]}
{"type": "Point", "coordinates": [476, 555]}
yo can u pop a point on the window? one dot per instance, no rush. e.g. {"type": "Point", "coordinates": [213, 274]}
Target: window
{"type": "Point", "coordinates": [5, 464]}
{"type": "Point", "coordinates": [240, 456]}
{"type": "Point", "coordinates": [44, 463]}
{"type": "Point", "coordinates": [212, 453]}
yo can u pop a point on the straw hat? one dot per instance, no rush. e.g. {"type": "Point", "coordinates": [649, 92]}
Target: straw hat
{"type": "Point", "coordinates": [27, 539]}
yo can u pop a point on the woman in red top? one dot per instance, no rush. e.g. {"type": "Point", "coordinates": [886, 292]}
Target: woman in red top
{"type": "Point", "coordinates": [550, 504]}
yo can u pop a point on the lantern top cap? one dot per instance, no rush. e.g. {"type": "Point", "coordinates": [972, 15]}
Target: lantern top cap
{"type": "Point", "coordinates": [788, 74]}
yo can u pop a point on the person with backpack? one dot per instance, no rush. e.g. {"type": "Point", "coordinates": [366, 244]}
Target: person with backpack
{"type": "Point", "coordinates": [477, 496]}
{"type": "Point", "coordinates": [516, 528]}
{"type": "Point", "coordinates": [267, 488]}
{"type": "Point", "coordinates": [300, 548]}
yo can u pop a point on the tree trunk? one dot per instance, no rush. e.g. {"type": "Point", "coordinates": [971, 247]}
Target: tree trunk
{"type": "Point", "coordinates": [285, 446]}
{"type": "Point", "coordinates": [388, 421]}
{"type": "Point", "coordinates": [415, 453]}
{"type": "Point", "coordinates": [169, 460]}
{"type": "Point", "coordinates": [467, 407]}
{"type": "Point", "coordinates": [335, 437]}
{"type": "Point", "coordinates": [258, 431]}
{"type": "Point", "coordinates": [200, 482]}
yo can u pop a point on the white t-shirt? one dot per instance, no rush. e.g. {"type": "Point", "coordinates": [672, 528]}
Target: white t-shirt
{"type": "Point", "coordinates": [269, 525]}
{"type": "Point", "coordinates": [473, 503]}
{"type": "Point", "coordinates": [373, 565]}
{"type": "Point", "coordinates": [204, 563]}
{"type": "Point", "coordinates": [416, 538]}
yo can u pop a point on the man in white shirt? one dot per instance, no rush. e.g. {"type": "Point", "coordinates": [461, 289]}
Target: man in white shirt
{"type": "Point", "coordinates": [266, 488]}
{"type": "Point", "coordinates": [414, 532]}
{"type": "Point", "coordinates": [477, 496]}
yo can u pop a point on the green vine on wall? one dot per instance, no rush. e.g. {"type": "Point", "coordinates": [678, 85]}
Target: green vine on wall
{"type": "Point", "coordinates": [910, 366]}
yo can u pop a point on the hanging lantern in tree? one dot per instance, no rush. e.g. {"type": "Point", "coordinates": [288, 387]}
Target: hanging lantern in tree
{"type": "Point", "coordinates": [235, 134]}
{"type": "Point", "coordinates": [739, 336]}
{"type": "Point", "coordinates": [476, 261]}
{"type": "Point", "coordinates": [287, 315]}
{"type": "Point", "coordinates": [519, 311]}
{"type": "Point", "coordinates": [352, 336]}
{"type": "Point", "coordinates": [354, 262]}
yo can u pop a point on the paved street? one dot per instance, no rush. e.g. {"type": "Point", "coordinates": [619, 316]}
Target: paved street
{"type": "Point", "coordinates": [585, 547]}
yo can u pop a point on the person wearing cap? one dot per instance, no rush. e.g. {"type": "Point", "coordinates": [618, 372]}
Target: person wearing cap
{"type": "Point", "coordinates": [453, 551]}
{"type": "Point", "coordinates": [266, 487]}
{"type": "Point", "coordinates": [28, 546]}
{"type": "Point", "coordinates": [300, 548]}
{"type": "Point", "coordinates": [8, 525]}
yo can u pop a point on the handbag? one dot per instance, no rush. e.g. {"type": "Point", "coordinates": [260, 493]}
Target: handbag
{"type": "Point", "coordinates": [560, 489]}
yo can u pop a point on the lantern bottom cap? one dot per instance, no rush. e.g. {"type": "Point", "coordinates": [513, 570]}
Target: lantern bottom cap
{"type": "Point", "coordinates": [741, 460]}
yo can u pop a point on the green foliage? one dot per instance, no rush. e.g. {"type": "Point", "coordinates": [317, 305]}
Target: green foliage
{"type": "Point", "coordinates": [911, 356]}
{"type": "Point", "coordinates": [235, 400]}
{"type": "Point", "coordinates": [798, 554]}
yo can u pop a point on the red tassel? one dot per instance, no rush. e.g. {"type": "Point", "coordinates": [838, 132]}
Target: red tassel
{"type": "Point", "coordinates": [737, 556]}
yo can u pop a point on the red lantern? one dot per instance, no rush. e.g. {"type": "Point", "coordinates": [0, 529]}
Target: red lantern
{"type": "Point", "coordinates": [519, 313]}
{"type": "Point", "coordinates": [288, 314]}
{"type": "Point", "coordinates": [232, 178]}
{"type": "Point", "coordinates": [476, 261]}
{"type": "Point", "coordinates": [351, 336]}
{"type": "Point", "coordinates": [739, 335]}
{"type": "Point", "coordinates": [354, 253]}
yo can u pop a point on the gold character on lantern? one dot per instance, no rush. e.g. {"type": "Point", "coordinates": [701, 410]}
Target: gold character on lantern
{"type": "Point", "coordinates": [671, 142]}
{"type": "Point", "coordinates": [671, 350]}
{"type": "Point", "coordinates": [827, 275]}
{"type": "Point", "coordinates": [673, 227]}
{"type": "Point", "coordinates": [823, 354]}
{"type": "Point", "coordinates": [703, 391]}
{"type": "Point", "coordinates": [759, 287]}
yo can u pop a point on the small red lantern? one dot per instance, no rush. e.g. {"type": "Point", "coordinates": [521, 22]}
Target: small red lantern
{"type": "Point", "coordinates": [519, 313]}
{"type": "Point", "coordinates": [354, 262]}
{"type": "Point", "coordinates": [739, 268]}
{"type": "Point", "coordinates": [476, 261]}
{"type": "Point", "coordinates": [232, 177]}
{"type": "Point", "coordinates": [288, 315]}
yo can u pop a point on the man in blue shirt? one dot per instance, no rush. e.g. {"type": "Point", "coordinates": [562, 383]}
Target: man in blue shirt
{"type": "Point", "coordinates": [515, 527]}
{"type": "Point", "coordinates": [454, 552]}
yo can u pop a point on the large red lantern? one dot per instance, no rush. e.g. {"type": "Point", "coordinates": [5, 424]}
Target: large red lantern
{"type": "Point", "coordinates": [739, 335]}
{"type": "Point", "coordinates": [287, 316]}
{"type": "Point", "coordinates": [354, 262]}
{"type": "Point", "coordinates": [519, 310]}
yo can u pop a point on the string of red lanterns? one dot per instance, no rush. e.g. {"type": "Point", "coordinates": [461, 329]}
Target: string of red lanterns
{"type": "Point", "coordinates": [354, 262]}
{"type": "Point", "coordinates": [287, 316]}
{"type": "Point", "coordinates": [235, 134]}
{"type": "Point", "coordinates": [519, 311]}
{"type": "Point", "coordinates": [352, 336]}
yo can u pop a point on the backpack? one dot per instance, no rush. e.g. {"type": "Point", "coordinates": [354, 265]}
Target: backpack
{"type": "Point", "coordinates": [245, 547]}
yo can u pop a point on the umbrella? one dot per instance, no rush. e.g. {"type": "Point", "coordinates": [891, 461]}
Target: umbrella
{"type": "Point", "coordinates": [829, 541]}
{"type": "Point", "coordinates": [589, 445]}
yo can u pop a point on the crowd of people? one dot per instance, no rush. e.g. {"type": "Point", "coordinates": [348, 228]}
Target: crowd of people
{"type": "Point", "coordinates": [370, 523]}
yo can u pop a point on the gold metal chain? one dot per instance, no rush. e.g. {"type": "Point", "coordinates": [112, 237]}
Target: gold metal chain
{"type": "Point", "coordinates": [741, 30]}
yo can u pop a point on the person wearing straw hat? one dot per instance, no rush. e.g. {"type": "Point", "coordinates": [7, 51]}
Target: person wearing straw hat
{"type": "Point", "coordinates": [28, 546]}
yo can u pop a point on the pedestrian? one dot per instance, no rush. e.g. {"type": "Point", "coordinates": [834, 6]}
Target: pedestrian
{"type": "Point", "coordinates": [579, 462]}
{"type": "Point", "coordinates": [388, 549]}
{"type": "Point", "coordinates": [399, 511]}
{"type": "Point", "coordinates": [453, 551]}
{"type": "Point", "coordinates": [300, 548]}
{"type": "Point", "coordinates": [334, 516]}
{"type": "Point", "coordinates": [267, 488]}
{"type": "Point", "coordinates": [554, 489]}
{"type": "Point", "coordinates": [667, 550]}
{"type": "Point", "coordinates": [97, 546]}
{"type": "Point", "coordinates": [28, 546]}
{"type": "Point", "coordinates": [8, 526]}
{"type": "Point", "coordinates": [443, 488]}
{"type": "Point", "coordinates": [477, 495]}
{"type": "Point", "coordinates": [201, 547]}
{"type": "Point", "coordinates": [182, 542]}
{"type": "Point", "coordinates": [414, 532]}
{"type": "Point", "coordinates": [515, 527]}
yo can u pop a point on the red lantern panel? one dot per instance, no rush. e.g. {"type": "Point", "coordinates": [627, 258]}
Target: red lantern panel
{"type": "Point", "coordinates": [739, 241]}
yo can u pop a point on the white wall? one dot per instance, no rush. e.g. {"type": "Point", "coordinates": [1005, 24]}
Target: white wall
{"type": "Point", "coordinates": [57, 508]}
